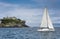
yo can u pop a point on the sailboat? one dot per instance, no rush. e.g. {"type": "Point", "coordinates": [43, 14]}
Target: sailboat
{"type": "Point", "coordinates": [46, 24]}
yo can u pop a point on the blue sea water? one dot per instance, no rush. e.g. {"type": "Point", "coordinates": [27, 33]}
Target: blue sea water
{"type": "Point", "coordinates": [28, 33]}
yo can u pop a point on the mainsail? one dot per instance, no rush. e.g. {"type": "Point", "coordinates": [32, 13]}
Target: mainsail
{"type": "Point", "coordinates": [46, 21]}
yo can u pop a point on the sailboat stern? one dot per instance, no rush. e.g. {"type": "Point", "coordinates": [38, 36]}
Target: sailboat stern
{"type": "Point", "coordinates": [51, 29]}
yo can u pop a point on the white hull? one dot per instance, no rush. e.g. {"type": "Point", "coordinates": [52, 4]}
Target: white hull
{"type": "Point", "coordinates": [45, 30]}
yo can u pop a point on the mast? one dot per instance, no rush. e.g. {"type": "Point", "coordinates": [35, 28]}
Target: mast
{"type": "Point", "coordinates": [47, 17]}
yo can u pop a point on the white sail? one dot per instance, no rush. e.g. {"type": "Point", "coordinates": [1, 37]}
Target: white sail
{"type": "Point", "coordinates": [49, 22]}
{"type": "Point", "coordinates": [46, 23]}
{"type": "Point", "coordinates": [44, 19]}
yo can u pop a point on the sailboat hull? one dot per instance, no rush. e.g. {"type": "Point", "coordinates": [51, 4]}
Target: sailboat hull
{"type": "Point", "coordinates": [45, 30]}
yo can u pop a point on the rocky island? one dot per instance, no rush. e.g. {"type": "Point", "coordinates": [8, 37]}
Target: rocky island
{"type": "Point", "coordinates": [12, 22]}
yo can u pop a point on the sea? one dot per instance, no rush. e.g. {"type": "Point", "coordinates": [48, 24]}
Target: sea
{"type": "Point", "coordinates": [28, 33]}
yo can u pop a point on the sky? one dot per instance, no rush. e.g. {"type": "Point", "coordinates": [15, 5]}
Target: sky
{"type": "Point", "coordinates": [30, 10]}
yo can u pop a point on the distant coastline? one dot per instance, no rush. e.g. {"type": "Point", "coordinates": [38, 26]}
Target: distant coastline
{"type": "Point", "coordinates": [12, 22]}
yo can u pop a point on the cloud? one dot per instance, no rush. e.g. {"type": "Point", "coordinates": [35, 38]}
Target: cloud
{"type": "Point", "coordinates": [30, 15]}
{"type": "Point", "coordinates": [52, 4]}
{"type": "Point", "coordinates": [33, 16]}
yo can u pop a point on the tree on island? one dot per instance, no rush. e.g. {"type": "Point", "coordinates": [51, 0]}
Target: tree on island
{"type": "Point", "coordinates": [12, 22]}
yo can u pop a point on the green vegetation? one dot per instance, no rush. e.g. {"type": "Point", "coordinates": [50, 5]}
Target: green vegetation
{"type": "Point", "coordinates": [12, 22]}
